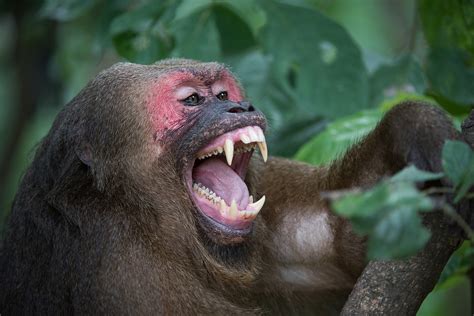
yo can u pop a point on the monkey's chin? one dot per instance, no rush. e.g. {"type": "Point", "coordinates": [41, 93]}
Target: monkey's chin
{"type": "Point", "coordinates": [216, 182]}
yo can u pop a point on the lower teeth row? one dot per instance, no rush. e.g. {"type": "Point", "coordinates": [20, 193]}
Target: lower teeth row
{"type": "Point", "coordinates": [207, 193]}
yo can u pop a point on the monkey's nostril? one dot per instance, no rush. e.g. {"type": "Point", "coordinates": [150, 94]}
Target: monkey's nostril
{"type": "Point", "coordinates": [241, 107]}
{"type": "Point", "coordinates": [236, 109]}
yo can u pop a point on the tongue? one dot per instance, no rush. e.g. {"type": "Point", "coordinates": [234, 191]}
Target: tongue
{"type": "Point", "coordinates": [220, 178]}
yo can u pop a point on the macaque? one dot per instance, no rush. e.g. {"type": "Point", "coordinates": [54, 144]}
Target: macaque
{"type": "Point", "coordinates": [153, 193]}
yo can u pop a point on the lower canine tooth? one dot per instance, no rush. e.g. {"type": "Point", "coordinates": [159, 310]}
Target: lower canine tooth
{"type": "Point", "coordinates": [223, 207]}
{"type": "Point", "coordinates": [257, 206]}
{"type": "Point", "coordinates": [233, 209]}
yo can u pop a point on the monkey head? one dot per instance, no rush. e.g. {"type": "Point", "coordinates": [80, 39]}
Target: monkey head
{"type": "Point", "coordinates": [176, 123]}
{"type": "Point", "coordinates": [218, 134]}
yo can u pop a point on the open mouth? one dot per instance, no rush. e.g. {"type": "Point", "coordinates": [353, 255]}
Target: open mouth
{"type": "Point", "coordinates": [217, 183]}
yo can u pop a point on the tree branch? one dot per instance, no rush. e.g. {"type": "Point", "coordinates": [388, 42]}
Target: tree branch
{"type": "Point", "coordinates": [399, 287]}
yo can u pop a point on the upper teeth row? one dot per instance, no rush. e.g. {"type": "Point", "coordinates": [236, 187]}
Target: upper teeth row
{"type": "Point", "coordinates": [238, 150]}
{"type": "Point", "coordinates": [217, 151]}
{"type": "Point", "coordinates": [230, 211]}
{"type": "Point", "coordinates": [249, 135]}
{"type": "Point", "coordinates": [245, 148]}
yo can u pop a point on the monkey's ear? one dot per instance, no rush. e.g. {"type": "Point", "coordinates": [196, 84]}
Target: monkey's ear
{"type": "Point", "coordinates": [84, 153]}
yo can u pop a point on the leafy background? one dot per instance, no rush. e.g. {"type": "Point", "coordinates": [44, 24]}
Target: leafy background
{"type": "Point", "coordinates": [323, 71]}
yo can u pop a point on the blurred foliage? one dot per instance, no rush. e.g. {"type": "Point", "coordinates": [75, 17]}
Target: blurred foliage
{"type": "Point", "coordinates": [458, 163]}
{"type": "Point", "coordinates": [451, 297]}
{"type": "Point", "coordinates": [388, 214]}
{"type": "Point", "coordinates": [323, 71]}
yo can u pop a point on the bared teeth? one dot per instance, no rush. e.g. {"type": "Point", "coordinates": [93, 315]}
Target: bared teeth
{"type": "Point", "coordinates": [233, 209]}
{"type": "Point", "coordinates": [215, 152]}
{"type": "Point", "coordinates": [229, 151]}
{"type": "Point", "coordinates": [263, 150]}
{"type": "Point", "coordinates": [261, 136]}
{"type": "Point", "coordinates": [257, 206]}
{"type": "Point", "coordinates": [223, 208]}
{"type": "Point", "coordinates": [245, 139]}
{"type": "Point", "coordinates": [253, 135]}
{"type": "Point", "coordinates": [250, 136]}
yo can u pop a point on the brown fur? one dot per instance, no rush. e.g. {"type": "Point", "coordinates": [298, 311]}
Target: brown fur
{"type": "Point", "coordinates": [102, 225]}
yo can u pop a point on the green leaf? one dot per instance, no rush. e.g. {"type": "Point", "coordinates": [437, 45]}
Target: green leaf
{"type": "Point", "coordinates": [363, 209]}
{"type": "Point", "coordinates": [289, 128]}
{"type": "Point", "coordinates": [235, 34]}
{"type": "Point", "coordinates": [458, 163]}
{"type": "Point", "coordinates": [65, 10]}
{"type": "Point", "coordinates": [80, 44]}
{"type": "Point", "coordinates": [452, 28]}
{"type": "Point", "coordinates": [399, 235]}
{"type": "Point", "coordinates": [142, 35]}
{"type": "Point", "coordinates": [461, 262]}
{"type": "Point", "coordinates": [193, 32]}
{"type": "Point", "coordinates": [316, 61]}
{"type": "Point", "coordinates": [456, 158]}
{"type": "Point", "coordinates": [405, 75]}
{"type": "Point", "coordinates": [413, 174]}
{"type": "Point", "coordinates": [451, 74]}
{"type": "Point", "coordinates": [297, 131]}
{"type": "Point", "coordinates": [237, 22]}
{"type": "Point", "coordinates": [187, 8]}
{"type": "Point", "coordinates": [247, 10]}
{"type": "Point", "coordinates": [450, 298]}
{"type": "Point", "coordinates": [253, 70]}
{"type": "Point", "coordinates": [388, 214]}
{"type": "Point", "coordinates": [338, 137]}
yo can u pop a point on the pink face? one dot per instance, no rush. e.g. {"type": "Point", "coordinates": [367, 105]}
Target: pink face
{"type": "Point", "coordinates": [165, 105]}
{"type": "Point", "coordinates": [214, 157]}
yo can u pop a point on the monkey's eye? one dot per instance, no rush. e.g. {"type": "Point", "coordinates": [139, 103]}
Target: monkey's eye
{"type": "Point", "coordinates": [222, 96]}
{"type": "Point", "coordinates": [192, 100]}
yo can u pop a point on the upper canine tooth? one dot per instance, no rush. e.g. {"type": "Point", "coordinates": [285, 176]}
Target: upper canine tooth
{"type": "Point", "coordinates": [263, 150]}
{"type": "Point", "coordinates": [257, 206]}
{"type": "Point", "coordinates": [245, 138]}
{"type": "Point", "coordinates": [229, 151]}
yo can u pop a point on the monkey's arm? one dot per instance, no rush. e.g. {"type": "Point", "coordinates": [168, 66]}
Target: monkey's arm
{"type": "Point", "coordinates": [310, 244]}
